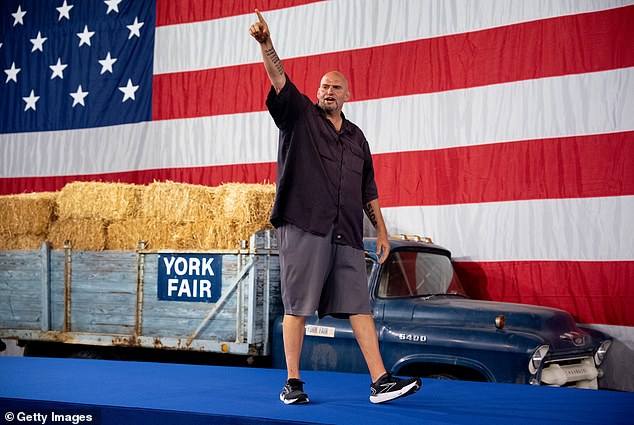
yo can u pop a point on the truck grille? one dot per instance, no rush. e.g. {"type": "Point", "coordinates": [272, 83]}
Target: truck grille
{"type": "Point", "coordinates": [578, 373]}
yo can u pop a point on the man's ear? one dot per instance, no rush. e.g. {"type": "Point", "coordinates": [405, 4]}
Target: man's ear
{"type": "Point", "coordinates": [348, 95]}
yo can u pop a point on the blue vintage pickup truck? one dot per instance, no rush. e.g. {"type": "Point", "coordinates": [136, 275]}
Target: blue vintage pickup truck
{"type": "Point", "coordinates": [226, 303]}
{"type": "Point", "coordinates": [428, 327]}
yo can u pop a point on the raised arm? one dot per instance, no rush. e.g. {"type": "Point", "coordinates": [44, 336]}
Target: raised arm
{"type": "Point", "coordinates": [272, 63]}
{"type": "Point", "coordinates": [373, 211]}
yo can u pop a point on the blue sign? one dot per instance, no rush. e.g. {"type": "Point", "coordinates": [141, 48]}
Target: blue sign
{"type": "Point", "coordinates": [189, 277]}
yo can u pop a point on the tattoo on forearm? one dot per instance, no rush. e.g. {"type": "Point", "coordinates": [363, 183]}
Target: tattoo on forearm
{"type": "Point", "coordinates": [275, 59]}
{"type": "Point", "coordinates": [369, 211]}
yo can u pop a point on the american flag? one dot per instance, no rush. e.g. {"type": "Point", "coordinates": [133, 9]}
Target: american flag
{"type": "Point", "coordinates": [502, 130]}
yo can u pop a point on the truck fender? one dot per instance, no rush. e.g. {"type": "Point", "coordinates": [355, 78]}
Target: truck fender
{"type": "Point", "coordinates": [415, 361]}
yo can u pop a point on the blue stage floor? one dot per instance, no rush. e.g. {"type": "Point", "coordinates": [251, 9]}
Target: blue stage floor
{"type": "Point", "coordinates": [146, 393]}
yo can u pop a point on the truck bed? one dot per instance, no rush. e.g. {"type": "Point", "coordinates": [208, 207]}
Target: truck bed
{"type": "Point", "coordinates": [120, 298]}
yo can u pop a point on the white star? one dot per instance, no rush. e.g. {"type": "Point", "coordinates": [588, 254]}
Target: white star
{"type": "Point", "coordinates": [18, 15]}
{"type": "Point", "coordinates": [128, 91]}
{"type": "Point", "coordinates": [31, 100]}
{"type": "Point", "coordinates": [12, 73]}
{"type": "Point", "coordinates": [58, 69]}
{"type": "Point", "coordinates": [134, 28]}
{"type": "Point", "coordinates": [106, 63]}
{"type": "Point", "coordinates": [112, 5]}
{"type": "Point", "coordinates": [38, 43]}
{"type": "Point", "coordinates": [78, 96]}
{"type": "Point", "coordinates": [64, 11]}
{"type": "Point", "coordinates": [84, 37]}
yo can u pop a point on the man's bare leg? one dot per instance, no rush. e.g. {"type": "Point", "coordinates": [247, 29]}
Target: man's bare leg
{"type": "Point", "coordinates": [293, 334]}
{"type": "Point", "coordinates": [365, 333]}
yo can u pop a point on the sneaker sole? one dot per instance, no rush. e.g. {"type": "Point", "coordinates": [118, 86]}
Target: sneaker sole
{"type": "Point", "coordinates": [303, 399]}
{"type": "Point", "coordinates": [403, 392]}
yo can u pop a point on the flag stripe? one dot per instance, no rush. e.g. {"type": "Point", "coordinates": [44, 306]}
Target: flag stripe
{"type": "Point", "coordinates": [170, 12]}
{"type": "Point", "coordinates": [305, 31]}
{"type": "Point", "coordinates": [517, 52]}
{"type": "Point", "coordinates": [570, 167]}
{"type": "Point", "coordinates": [595, 292]}
{"type": "Point", "coordinates": [582, 229]}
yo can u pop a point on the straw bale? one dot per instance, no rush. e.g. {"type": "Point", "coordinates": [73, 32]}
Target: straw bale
{"type": "Point", "coordinates": [87, 234]}
{"type": "Point", "coordinates": [246, 208]}
{"type": "Point", "coordinates": [178, 202]}
{"type": "Point", "coordinates": [98, 200]}
{"type": "Point", "coordinates": [20, 242]}
{"type": "Point", "coordinates": [158, 234]}
{"type": "Point", "coordinates": [245, 203]}
{"type": "Point", "coordinates": [27, 213]}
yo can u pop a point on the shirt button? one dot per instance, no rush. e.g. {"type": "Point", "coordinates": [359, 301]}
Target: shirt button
{"type": "Point", "coordinates": [339, 236]}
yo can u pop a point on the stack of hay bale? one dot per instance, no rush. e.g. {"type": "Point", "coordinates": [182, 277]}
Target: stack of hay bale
{"type": "Point", "coordinates": [115, 216]}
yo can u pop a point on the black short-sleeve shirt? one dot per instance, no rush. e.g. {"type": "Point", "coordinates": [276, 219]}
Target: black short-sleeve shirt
{"type": "Point", "coordinates": [323, 177]}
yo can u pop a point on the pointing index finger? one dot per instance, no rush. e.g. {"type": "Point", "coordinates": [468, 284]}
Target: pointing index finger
{"type": "Point", "coordinates": [260, 17]}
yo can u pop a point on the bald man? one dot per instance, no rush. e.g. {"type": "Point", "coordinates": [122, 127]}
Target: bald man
{"type": "Point", "coordinates": [324, 184]}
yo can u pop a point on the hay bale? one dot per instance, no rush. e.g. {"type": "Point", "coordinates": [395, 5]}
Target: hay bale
{"type": "Point", "coordinates": [245, 209]}
{"type": "Point", "coordinates": [178, 202]}
{"type": "Point", "coordinates": [98, 201]}
{"type": "Point", "coordinates": [245, 203]}
{"type": "Point", "coordinates": [158, 234]}
{"type": "Point", "coordinates": [86, 234]}
{"type": "Point", "coordinates": [26, 214]}
{"type": "Point", "coordinates": [21, 242]}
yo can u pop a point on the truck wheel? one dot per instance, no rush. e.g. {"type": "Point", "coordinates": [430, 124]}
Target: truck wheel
{"type": "Point", "coordinates": [445, 376]}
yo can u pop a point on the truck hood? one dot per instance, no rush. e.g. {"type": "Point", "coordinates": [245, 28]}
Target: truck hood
{"type": "Point", "coordinates": [555, 327]}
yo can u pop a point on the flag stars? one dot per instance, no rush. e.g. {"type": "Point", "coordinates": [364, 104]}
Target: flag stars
{"type": "Point", "coordinates": [135, 28]}
{"type": "Point", "coordinates": [106, 63]}
{"type": "Point", "coordinates": [113, 5]}
{"type": "Point", "coordinates": [31, 100]}
{"type": "Point", "coordinates": [38, 42]}
{"type": "Point", "coordinates": [64, 11]}
{"type": "Point", "coordinates": [12, 73]}
{"type": "Point", "coordinates": [58, 69]}
{"type": "Point", "coordinates": [18, 16]}
{"type": "Point", "coordinates": [84, 37]}
{"type": "Point", "coordinates": [79, 96]}
{"type": "Point", "coordinates": [128, 91]}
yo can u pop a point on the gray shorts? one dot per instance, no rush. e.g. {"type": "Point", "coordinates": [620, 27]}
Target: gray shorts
{"type": "Point", "coordinates": [319, 275]}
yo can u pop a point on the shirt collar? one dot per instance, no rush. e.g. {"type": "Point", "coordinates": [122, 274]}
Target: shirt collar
{"type": "Point", "coordinates": [345, 124]}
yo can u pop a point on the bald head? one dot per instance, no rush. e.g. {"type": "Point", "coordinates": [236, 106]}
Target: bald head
{"type": "Point", "coordinates": [333, 92]}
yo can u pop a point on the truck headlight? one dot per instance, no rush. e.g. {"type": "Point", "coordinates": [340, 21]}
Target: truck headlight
{"type": "Point", "coordinates": [599, 355]}
{"type": "Point", "coordinates": [537, 358]}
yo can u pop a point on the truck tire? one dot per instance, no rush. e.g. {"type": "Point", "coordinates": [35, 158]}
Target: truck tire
{"type": "Point", "coordinates": [445, 376]}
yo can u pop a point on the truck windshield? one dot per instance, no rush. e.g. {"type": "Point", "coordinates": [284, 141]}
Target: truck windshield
{"type": "Point", "coordinates": [415, 274]}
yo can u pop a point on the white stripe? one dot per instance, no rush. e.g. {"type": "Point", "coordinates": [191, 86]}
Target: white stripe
{"type": "Point", "coordinates": [601, 102]}
{"type": "Point", "coordinates": [594, 103]}
{"type": "Point", "coordinates": [346, 25]}
{"type": "Point", "coordinates": [585, 229]}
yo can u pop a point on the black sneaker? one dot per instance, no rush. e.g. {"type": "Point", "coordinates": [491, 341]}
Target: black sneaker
{"type": "Point", "coordinates": [293, 392]}
{"type": "Point", "coordinates": [388, 388]}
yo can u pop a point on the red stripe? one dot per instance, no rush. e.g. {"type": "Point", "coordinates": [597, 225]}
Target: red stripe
{"type": "Point", "coordinates": [571, 167]}
{"type": "Point", "coordinates": [558, 46]}
{"type": "Point", "coordinates": [209, 176]}
{"type": "Point", "coordinates": [170, 12]}
{"type": "Point", "coordinates": [598, 292]}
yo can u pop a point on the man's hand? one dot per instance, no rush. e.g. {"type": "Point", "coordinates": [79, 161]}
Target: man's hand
{"type": "Point", "coordinates": [260, 30]}
{"type": "Point", "coordinates": [382, 248]}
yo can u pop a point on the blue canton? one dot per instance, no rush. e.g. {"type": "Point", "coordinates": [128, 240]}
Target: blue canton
{"type": "Point", "coordinates": [67, 64]}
